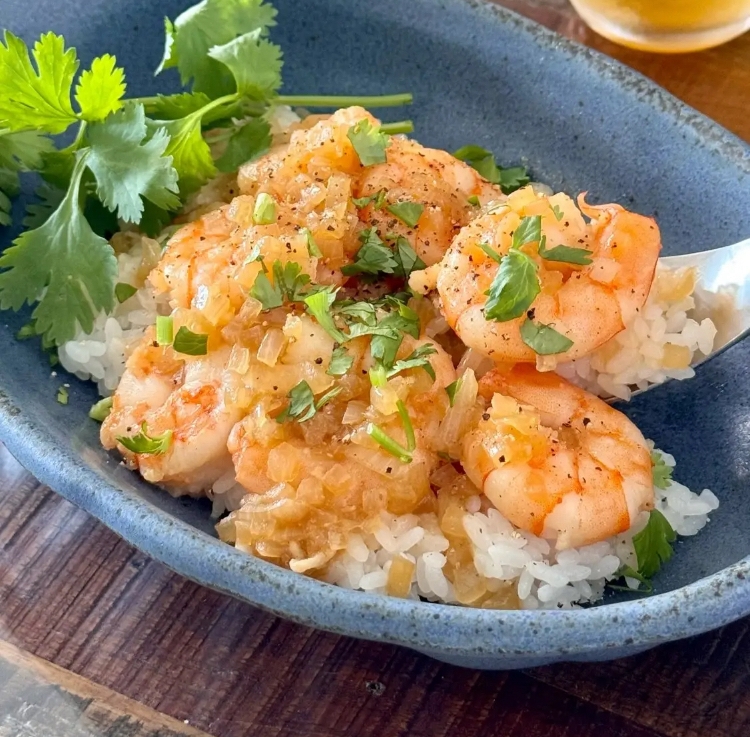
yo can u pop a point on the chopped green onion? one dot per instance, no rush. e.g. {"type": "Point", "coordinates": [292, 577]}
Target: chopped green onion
{"type": "Point", "coordinates": [387, 443]}
{"type": "Point", "coordinates": [100, 411]}
{"type": "Point", "coordinates": [411, 441]}
{"type": "Point", "coordinates": [401, 126]}
{"type": "Point", "coordinates": [452, 389]}
{"type": "Point", "coordinates": [164, 330]}
{"type": "Point", "coordinates": [264, 212]}
{"type": "Point", "coordinates": [378, 375]}
{"type": "Point", "coordinates": [62, 395]}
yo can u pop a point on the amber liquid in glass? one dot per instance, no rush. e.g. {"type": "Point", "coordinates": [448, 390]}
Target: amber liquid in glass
{"type": "Point", "coordinates": [670, 26]}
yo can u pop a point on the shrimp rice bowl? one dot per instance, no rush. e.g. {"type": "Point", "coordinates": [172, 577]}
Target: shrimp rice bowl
{"type": "Point", "coordinates": [390, 367]}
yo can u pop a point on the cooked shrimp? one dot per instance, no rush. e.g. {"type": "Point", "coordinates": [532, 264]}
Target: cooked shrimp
{"type": "Point", "coordinates": [557, 461]}
{"type": "Point", "coordinates": [434, 179]}
{"type": "Point", "coordinates": [194, 412]}
{"type": "Point", "coordinates": [587, 304]}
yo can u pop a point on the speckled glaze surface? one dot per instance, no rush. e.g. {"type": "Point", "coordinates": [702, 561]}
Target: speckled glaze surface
{"type": "Point", "coordinates": [580, 122]}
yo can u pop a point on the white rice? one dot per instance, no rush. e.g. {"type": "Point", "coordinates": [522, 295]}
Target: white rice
{"type": "Point", "coordinates": [544, 578]}
{"type": "Point", "coordinates": [634, 358]}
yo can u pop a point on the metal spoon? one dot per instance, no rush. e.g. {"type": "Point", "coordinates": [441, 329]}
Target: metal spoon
{"type": "Point", "coordinates": [721, 271]}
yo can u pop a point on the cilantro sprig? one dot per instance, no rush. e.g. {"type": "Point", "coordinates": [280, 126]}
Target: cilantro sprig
{"type": "Point", "coordinates": [484, 162]}
{"type": "Point", "coordinates": [135, 159]}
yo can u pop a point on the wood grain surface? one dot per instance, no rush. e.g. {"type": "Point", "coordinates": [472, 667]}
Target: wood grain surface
{"type": "Point", "coordinates": [74, 594]}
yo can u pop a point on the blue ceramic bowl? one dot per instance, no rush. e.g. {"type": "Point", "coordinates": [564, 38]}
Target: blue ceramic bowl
{"type": "Point", "coordinates": [579, 121]}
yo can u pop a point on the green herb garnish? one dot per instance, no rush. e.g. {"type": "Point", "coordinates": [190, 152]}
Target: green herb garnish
{"type": "Point", "coordinates": [557, 212]}
{"type": "Point", "coordinates": [407, 212]}
{"type": "Point", "coordinates": [100, 411]}
{"type": "Point", "coordinates": [63, 395]}
{"type": "Point", "coordinates": [302, 405]}
{"type": "Point", "coordinates": [377, 200]}
{"type": "Point", "coordinates": [653, 544]}
{"type": "Point", "coordinates": [319, 306]}
{"type": "Point", "coordinates": [373, 257]}
{"type": "Point", "coordinates": [484, 162]}
{"type": "Point", "coordinates": [123, 291]}
{"type": "Point", "coordinates": [144, 444]}
{"type": "Point", "coordinates": [406, 258]}
{"type": "Point", "coordinates": [661, 472]}
{"type": "Point", "coordinates": [474, 201]}
{"type": "Point", "coordinates": [312, 247]}
{"type": "Point", "coordinates": [164, 330]}
{"type": "Point", "coordinates": [515, 286]}
{"type": "Point", "coordinates": [190, 343]}
{"type": "Point", "coordinates": [290, 284]}
{"type": "Point", "coordinates": [264, 211]}
{"type": "Point", "coordinates": [418, 358]}
{"type": "Point", "coordinates": [452, 389]}
{"type": "Point", "coordinates": [369, 142]}
{"type": "Point", "coordinates": [543, 339]}
{"type": "Point", "coordinates": [341, 361]}
{"type": "Point", "coordinates": [565, 254]}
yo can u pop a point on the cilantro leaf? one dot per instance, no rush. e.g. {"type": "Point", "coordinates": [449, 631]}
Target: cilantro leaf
{"type": "Point", "coordinates": [302, 405]}
{"type": "Point", "coordinates": [407, 212]}
{"type": "Point", "coordinates": [319, 306]}
{"type": "Point", "coordinates": [19, 152]}
{"type": "Point", "coordinates": [100, 89]}
{"type": "Point", "coordinates": [255, 63]}
{"type": "Point", "coordinates": [474, 201]}
{"type": "Point", "coordinates": [124, 291]}
{"type": "Point", "coordinates": [513, 178]}
{"type": "Point", "coordinates": [290, 279]}
{"type": "Point", "coordinates": [190, 343]}
{"type": "Point", "coordinates": [373, 257]}
{"type": "Point", "coordinates": [247, 143]}
{"type": "Point", "coordinates": [544, 339]}
{"type": "Point", "coordinates": [341, 362]}
{"type": "Point", "coordinates": [653, 544]}
{"type": "Point", "coordinates": [565, 254]}
{"type": "Point", "coordinates": [369, 142]}
{"type": "Point", "coordinates": [289, 285]}
{"type": "Point", "coordinates": [406, 258]}
{"type": "Point", "coordinates": [557, 212]}
{"type": "Point", "coordinates": [144, 444]}
{"type": "Point", "coordinates": [203, 26]}
{"type": "Point", "coordinates": [172, 107]}
{"type": "Point", "coordinates": [416, 359]}
{"type": "Point", "coordinates": [265, 292]}
{"type": "Point", "coordinates": [127, 169]}
{"type": "Point", "coordinates": [629, 572]}
{"type": "Point", "coordinates": [37, 212]}
{"type": "Point", "coordinates": [514, 288]}
{"type": "Point", "coordinates": [191, 155]}
{"type": "Point", "coordinates": [529, 230]}
{"type": "Point", "coordinates": [36, 98]}
{"type": "Point", "coordinates": [385, 344]}
{"type": "Point", "coordinates": [661, 472]}
{"type": "Point", "coordinates": [484, 162]}
{"type": "Point", "coordinates": [64, 266]}
{"type": "Point", "coordinates": [377, 200]}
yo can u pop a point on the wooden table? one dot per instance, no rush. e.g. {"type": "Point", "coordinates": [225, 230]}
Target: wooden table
{"type": "Point", "coordinates": [96, 639]}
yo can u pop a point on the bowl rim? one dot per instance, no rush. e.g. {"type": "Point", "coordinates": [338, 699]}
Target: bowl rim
{"type": "Point", "coordinates": [704, 604]}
